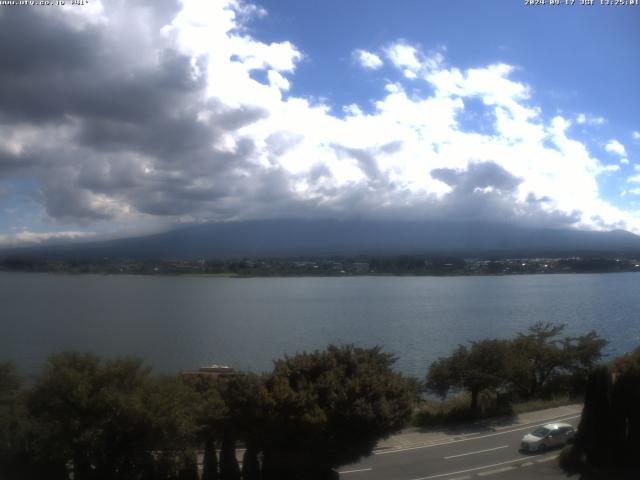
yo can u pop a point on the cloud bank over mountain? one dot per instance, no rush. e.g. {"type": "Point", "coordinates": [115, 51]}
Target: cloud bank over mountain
{"type": "Point", "coordinates": [139, 116]}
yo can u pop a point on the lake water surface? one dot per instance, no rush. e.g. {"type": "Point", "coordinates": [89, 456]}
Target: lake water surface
{"type": "Point", "coordinates": [177, 323]}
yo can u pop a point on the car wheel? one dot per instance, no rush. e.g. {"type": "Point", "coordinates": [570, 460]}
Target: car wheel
{"type": "Point", "coordinates": [542, 448]}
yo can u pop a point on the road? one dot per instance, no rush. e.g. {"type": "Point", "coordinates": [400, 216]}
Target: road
{"type": "Point", "coordinates": [484, 455]}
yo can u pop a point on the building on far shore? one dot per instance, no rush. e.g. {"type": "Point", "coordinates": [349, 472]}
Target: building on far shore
{"type": "Point", "coordinates": [360, 267]}
{"type": "Point", "coordinates": [211, 371]}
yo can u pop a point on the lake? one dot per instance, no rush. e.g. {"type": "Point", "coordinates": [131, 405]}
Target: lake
{"type": "Point", "coordinates": [177, 323]}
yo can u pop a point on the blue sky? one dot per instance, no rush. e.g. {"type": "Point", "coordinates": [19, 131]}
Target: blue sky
{"type": "Point", "coordinates": [139, 118]}
{"type": "Point", "coordinates": [572, 56]}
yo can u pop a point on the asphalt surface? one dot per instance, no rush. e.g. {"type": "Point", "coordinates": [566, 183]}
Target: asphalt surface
{"type": "Point", "coordinates": [491, 454]}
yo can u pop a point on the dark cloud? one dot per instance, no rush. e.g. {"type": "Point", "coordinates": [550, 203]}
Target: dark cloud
{"type": "Point", "coordinates": [487, 192]}
{"type": "Point", "coordinates": [280, 143]}
{"type": "Point", "coordinates": [66, 202]}
{"type": "Point", "coordinates": [318, 172]}
{"type": "Point", "coordinates": [478, 175]}
{"type": "Point", "coordinates": [367, 160]}
{"type": "Point", "coordinates": [533, 198]}
{"type": "Point", "coordinates": [124, 122]}
{"type": "Point", "coordinates": [141, 129]}
{"type": "Point", "coordinates": [36, 43]}
{"type": "Point", "coordinates": [51, 68]}
{"type": "Point", "coordinates": [10, 163]}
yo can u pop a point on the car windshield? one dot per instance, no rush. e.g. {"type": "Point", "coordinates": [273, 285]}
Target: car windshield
{"type": "Point", "coordinates": [540, 432]}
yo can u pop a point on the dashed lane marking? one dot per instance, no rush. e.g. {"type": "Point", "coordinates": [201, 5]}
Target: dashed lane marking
{"type": "Point", "coordinates": [440, 475]}
{"type": "Point", "coordinates": [547, 459]}
{"type": "Point", "coordinates": [497, 470]}
{"type": "Point", "coordinates": [473, 453]}
{"type": "Point", "coordinates": [355, 471]}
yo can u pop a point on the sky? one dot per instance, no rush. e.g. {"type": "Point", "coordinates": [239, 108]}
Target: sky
{"type": "Point", "coordinates": [119, 118]}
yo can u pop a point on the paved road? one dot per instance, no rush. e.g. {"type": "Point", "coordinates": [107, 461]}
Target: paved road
{"type": "Point", "coordinates": [493, 454]}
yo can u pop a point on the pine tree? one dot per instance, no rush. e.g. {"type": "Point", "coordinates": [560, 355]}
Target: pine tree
{"type": "Point", "coordinates": [229, 468]}
{"type": "Point", "coordinates": [250, 464]}
{"type": "Point", "coordinates": [210, 463]}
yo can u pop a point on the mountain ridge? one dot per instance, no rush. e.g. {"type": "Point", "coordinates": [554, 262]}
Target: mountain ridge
{"type": "Point", "coordinates": [297, 237]}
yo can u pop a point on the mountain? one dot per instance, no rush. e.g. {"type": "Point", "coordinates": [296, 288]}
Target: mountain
{"type": "Point", "coordinates": [333, 237]}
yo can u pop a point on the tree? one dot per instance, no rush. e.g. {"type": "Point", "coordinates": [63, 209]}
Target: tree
{"type": "Point", "coordinates": [539, 355]}
{"type": "Point", "coordinates": [110, 419]}
{"type": "Point", "coordinates": [607, 444]}
{"type": "Point", "coordinates": [13, 427]}
{"type": "Point", "coordinates": [229, 468]}
{"type": "Point", "coordinates": [328, 408]}
{"type": "Point", "coordinates": [244, 397]}
{"type": "Point", "coordinates": [172, 409]}
{"type": "Point", "coordinates": [189, 467]}
{"type": "Point", "coordinates": [211, 416]}
{"type": "Point", "coordinates": [210, 461]}
{"type": "Point", "coordinates": [250, 463]}
{"type": "Point", "coordinates": [476, 368]}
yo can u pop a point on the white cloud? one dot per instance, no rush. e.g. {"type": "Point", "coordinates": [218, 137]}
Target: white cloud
{"type": "Point", "coordinates": [277, 80]}
{"type": "Point", "coordinates": [614, 146]}
{"type": "Point", "coordinates": [403, 55]}
{"type": "Point", "coordinates": [368, 60]}
{"type": "Point", "coordinates": [609, 168]}
{"type": "Point", "coordinates": [624, 161]}
{"type": "Point", "coordinates": [30, 238]}
{"type": "Point", "coordinates": [586, 119]}
{"type": "Point", "coordinates": [246, 150]}
{"type": "Point", "coordinates": [412, 61]}
{"type": "Point", "coordinates": [636, 135]}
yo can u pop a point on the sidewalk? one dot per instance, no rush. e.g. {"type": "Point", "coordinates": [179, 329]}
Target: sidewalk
{"type": "Point", "coordinates": [415, 437]}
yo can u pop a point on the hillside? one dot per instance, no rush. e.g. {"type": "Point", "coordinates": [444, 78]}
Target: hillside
{"type": "Point", "coordinates": [332, 237]}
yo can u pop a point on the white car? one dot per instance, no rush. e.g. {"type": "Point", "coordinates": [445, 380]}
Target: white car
{"type": "Point", "coordinates": [547, 436]}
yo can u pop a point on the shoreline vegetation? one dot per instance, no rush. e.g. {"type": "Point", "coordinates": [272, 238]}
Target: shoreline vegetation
{"type": "Point", "coordinates": [91, 418]}
{"type": "Point", "coordinates": [434, 414]}
{"type": "Point", "coordinates": [414, 265]}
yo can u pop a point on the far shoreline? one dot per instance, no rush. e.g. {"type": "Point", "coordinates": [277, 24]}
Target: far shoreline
{"type": "Point", "coordinates": [232, 275]}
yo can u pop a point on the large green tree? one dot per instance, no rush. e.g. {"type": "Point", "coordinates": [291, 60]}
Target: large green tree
{"type": "Point", "coordinates": [540, 354]}
{"type": "Point", "coordinates": [478, 367]}
{"type": "Point", "coordinates": [244, 397]}
{"type": "Point", "coordinates": [329, 408]}
{"type": "Point", "coordinates": [13, 426]}
{"type": "Point", "coordinates": [211, 417]}
{"type": "Point", "coordinates": [111, 419]}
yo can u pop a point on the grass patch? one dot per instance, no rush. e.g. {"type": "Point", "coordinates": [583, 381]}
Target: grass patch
{"type": "Point", "coordinates": [433, 413]}
{"type": "Point", "coordinates": [451, 410]}
{"type": "Point", "coordinates": [533, 405]}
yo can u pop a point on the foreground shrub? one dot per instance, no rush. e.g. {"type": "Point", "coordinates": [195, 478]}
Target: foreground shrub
{"type": "Point", "coordinates": [608, 438]}
{"type": "Point", "coordinates": [455, 409]}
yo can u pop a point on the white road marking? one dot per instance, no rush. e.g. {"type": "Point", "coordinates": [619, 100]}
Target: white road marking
{"type": "Point", "coordinates": [497, 470]}
{"type": "Point", "coordinates": [530, 425]}
{"type": "Point", "coordinates": [473, 453]}
{"type": "Point", "coordinates": [526, 464]}
{"type": "Point", "coordinates": [547, 459]}
{"type": "Point", "coordinates": [469, 470]}
{"type": "Point", "coordinates": [355, 471]}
